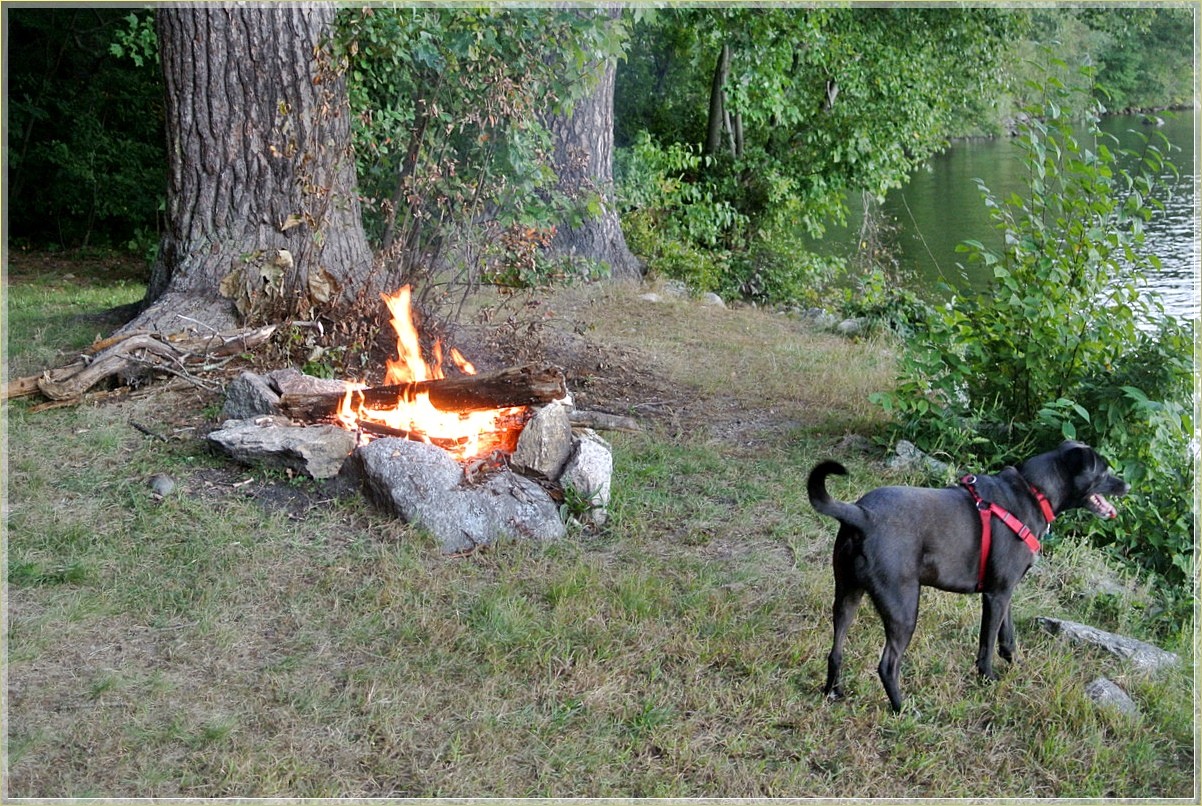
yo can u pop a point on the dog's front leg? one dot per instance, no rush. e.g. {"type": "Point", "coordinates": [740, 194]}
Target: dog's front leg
{"type": "Point", "coordinates": [995, 609]}
{"type": "Point", "coordinates": [1006, 644]}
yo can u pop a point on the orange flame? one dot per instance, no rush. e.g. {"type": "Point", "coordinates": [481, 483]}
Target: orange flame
{"type": "Point", "coordinates": [465, 435]}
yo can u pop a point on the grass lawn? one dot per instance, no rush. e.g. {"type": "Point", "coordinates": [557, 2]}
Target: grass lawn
{"type": "Point", "coordinates": [252, 635]}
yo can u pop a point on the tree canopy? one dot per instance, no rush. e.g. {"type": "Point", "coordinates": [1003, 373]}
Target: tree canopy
{"type": "Point", "coordinates": [808, 103]}
{"type": "Point", "coordinates": [733, 126]}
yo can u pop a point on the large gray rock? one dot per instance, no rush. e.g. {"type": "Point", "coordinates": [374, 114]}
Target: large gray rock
{"type": "Point", "coordinates": [315, 450]}
{"type": "Point", "coordinates": [422, 484]}
{"type": "Point", "coordinates": [545, 444]}
{"type": "Point", "coordinates": [1143, 656]}
{"type": "Point", "coordinates": [589, 472]}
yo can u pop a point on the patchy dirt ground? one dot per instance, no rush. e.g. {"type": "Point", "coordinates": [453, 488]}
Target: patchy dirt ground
{"type": "Point", "coordinates": [740, 377]}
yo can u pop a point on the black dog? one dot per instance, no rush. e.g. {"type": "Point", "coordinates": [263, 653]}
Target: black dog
{"type": "Point", "coordinates": [895, 539]}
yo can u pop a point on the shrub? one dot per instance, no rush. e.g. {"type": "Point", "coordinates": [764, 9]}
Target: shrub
{"type": "Point", "coordinates": [1064, 344]}
{"type": "Point", "coordinates": [689, 230]}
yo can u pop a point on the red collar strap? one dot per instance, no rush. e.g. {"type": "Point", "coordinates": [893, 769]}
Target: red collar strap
{"type": "Point", "coordinates": [990, 510]}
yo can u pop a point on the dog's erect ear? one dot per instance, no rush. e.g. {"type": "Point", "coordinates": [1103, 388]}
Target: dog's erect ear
{"type": "Point", "coordinates": [1080, 458]}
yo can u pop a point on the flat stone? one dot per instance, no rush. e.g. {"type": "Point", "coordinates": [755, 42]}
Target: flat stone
{"type": "Point", "coordinates": [545, 444]}
{"type": "Point", "coordinates": [1143, 656]}
{"type": "Point", "coordinates": [421, 484]}
{"type": "Point", "coordinates": [1108, 695]}
{"type": "Point", "coordinates": [590, 472]}
{"type": "Point", "coordinates": [315, 450]}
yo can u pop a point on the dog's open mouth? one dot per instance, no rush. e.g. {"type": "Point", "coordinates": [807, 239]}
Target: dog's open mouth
{"type": "Point", "coordinates": [1101, 507]}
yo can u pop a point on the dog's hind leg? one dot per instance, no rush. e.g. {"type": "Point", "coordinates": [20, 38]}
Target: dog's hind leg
{"type": "Point", "coordinates": [848, 593]}
{"type": "Point", "coordinates": [847, 599]}
{"type": "Point", "coordinates": [898, 609]}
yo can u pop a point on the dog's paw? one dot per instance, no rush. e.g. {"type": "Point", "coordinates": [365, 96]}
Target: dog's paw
{"type": "Point", "coordinates": [988, 675]}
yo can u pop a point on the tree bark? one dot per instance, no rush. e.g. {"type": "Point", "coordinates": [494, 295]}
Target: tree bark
{"type": "Point", "coordinates": [717, 115]}
{"type": "Point", "coordinates": [263, 217]}
{"type": "Point", "coordinates": [584, 151]}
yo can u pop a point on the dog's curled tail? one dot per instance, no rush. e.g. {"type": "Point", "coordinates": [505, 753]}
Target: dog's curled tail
{"type": "Point", "coordinates": [820, 499]}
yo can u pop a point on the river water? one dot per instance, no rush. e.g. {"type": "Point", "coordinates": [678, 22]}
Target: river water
{"type": "Point", "coordinates": [941, 207]}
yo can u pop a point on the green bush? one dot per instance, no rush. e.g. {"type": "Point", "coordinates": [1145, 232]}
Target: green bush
{"type": "Point", "coordinates": [86, 157]}
{"type": "Point", "coordinates": [687, 230]}
{"type": "Point", "coordinates": [770, 273]}
{"type": "Point", "coordinates": [1065, 345]}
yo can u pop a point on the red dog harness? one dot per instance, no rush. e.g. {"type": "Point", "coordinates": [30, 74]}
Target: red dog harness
{"type": "Point", "coordinates": [990, 510]}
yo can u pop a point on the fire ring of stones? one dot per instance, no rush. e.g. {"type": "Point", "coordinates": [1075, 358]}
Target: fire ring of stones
{"type": "Point", "coordinates": [463, 508]}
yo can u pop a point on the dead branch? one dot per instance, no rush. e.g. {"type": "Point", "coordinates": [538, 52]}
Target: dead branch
{"type": "Point", "coordinates": [604, 422]}
{"type": "Point", "coordinates": [173, 354]}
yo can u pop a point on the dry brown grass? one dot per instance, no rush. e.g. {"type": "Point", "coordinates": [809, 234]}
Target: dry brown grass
{"type": "Point", "coordinates": [262, 639]}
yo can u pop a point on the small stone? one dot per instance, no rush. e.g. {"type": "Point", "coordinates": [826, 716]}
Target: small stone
{"type": "Point", "coordinates": [1108, 695]}
{"type": "Point", "coordinates": [676, 288]}
{"type": "Point", "coordinates": [851, 327]}
{"type": "Point", "coordinates": [249, 395]}
{"type": "Point", "coordinates": [651, 297]}
{"type": "Point", "coordinates": [711, 299]}
{"type": "Point", "coordinates": [545, 444]}
{"type": "Point", "coordinates": [161, 485]}
{"type": "Point", "coordinates": [822, 319]}
{"type": "Point", "coordinates": [590, 472]}
{"type": "Point", "coordinates": [907, 456]}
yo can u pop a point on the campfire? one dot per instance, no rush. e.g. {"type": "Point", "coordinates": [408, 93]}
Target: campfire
{"type": "Point", "coordinates": [470, 416]}
{"type": "Point", "coordinates": [465, 434]}
{"type": "Point", "coordinates": [472, 457]}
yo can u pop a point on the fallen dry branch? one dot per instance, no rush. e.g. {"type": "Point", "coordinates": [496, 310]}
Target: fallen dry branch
{"type": "Point", "coordinates": [136, 353]}
{"type": "Point", "coordinates": [602, 421]}
{"type": "Point", "coordinates": [529, 385]}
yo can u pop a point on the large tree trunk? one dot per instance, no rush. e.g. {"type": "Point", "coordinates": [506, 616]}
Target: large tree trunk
{"type": "Point", "coordinates": [584, 163]}
{"type": "Point", "coordinates": [263, 217]}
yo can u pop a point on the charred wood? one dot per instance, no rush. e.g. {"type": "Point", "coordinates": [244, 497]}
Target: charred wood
{"type": "Point", "coordinates": [529, 385]}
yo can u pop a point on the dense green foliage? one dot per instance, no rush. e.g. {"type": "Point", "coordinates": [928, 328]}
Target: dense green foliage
{"type": "Point", "coordinates": [1067, 343]}
{"type": "Point", "coordinates": [823, 101]}
{"type": "Point", "coordinates": [765, 119]}
{"type": "Point", "coordinates": [1140, 55]}
{"type": "Point", "coordinates": [449, 130]}
{"type": "Point", "coordinates": [86, 163]}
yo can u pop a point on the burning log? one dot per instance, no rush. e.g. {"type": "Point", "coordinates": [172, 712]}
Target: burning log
{"type": "Point", "coordinates": [505, 440]}
{"type": "Point", "coordinates": [529, 385]}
